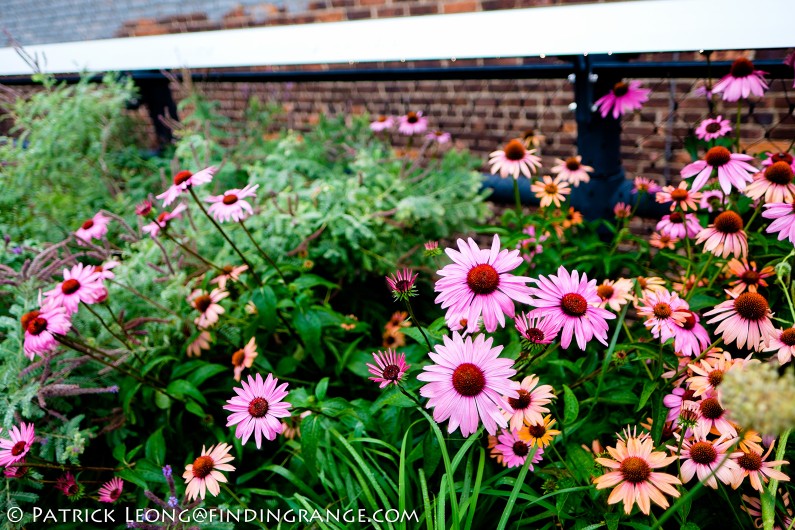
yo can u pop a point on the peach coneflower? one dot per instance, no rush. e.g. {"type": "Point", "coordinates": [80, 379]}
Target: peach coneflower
{"type": "Point", "coordinates": [201, 342]}
{"type": "Point", "coordinates": [725, 236]}
{"type": "Point", "coordinates": [755, 466]}
{"type": "Point", "coordinates": [622, 210]}
{"type": "Point", "coordinates": [229, 273]}
{"type": "Point", "coordinates": [244, 357]}
{"type": "Point", "coordinates": [513, 159]}
{"type": "Point", "coordinates": [550, 191]}
{"type": "Point", "coordinates": [663, 311]}
{"type": "Point", "coordinates": [745, 318]}
{"type": "Point", "coordinates": [678, 197]}
{"type": "Point", "coordinates": [712, 418]}
{"type": "Point", "coordinates": [661, 241]}
{"type": "Point", "coordinates": [572, 170]}
{"type": "Point", "coordinates": [632, 464]}
{"type": "Point", "coordinates": [774, 182]}
{"type": "Point", "coordinates": [207, 305]}
{"type": "Point", "coordinates": [205, 472]}
{"type": "Point", "coordinates": [733, 169]}
{"type": "Point", "coordinates": [748, 276]}
{"type": "Point", "coordinates": [645, 185]}
{"type": "Point", "coordinates": [614, 294]}
{"type": "Point", "coordinates": [540, 433]}
{"type": "Point", "coordinates": [529, 406]}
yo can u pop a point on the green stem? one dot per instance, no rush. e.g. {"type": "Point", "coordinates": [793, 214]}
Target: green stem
{"type": "Point", "coordinates": [263, 253]}
{"type": "Point", "coordinates": [608, 356]}
{"type": "Point", "coordinates": [517, 486]}
{"type": "Point", "coordinates": [416, 323]}
{"type": "Point", "coordinates": [518, 198]}
{"type": "Point", "coordinates": [700, 275]}
{"type": "Point", "coordinates": [769, 495]}
{"type": "Point", "coordinates": [107, 328]}
{"type": "Point", "coordinates": [192, 253]}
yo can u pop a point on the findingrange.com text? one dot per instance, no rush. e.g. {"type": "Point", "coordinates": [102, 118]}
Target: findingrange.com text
{"type": "Point", "coordinates": [202, 515]}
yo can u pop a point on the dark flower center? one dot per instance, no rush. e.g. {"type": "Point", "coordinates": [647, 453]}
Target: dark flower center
{"type": "Point", "coordinates": [520, 448]}
{"type": "Point", "coordinates": [203, 466]}
{"type": "Point", "coordinates": [574, 304]}
{"type": "Point", "coordinates": [750, 461]}
{"type": "Point", "coordinates": [403, 286]}
{"type": "Point", "coordinates": [779, 173]}
{"type": "Point", "coordinates": [534, 335]}
{"type": "Point", "coordinates": [572, 164]}
{"type": "Point", "coordinates": [37, 326]}
{"type": "Point", "coordinates": [635, 470]}
{"type": "Point", "coordinates": [788, 337]}
{"type": "Point", "coordinates": [71, 489]}
{"type": "Point", "coordinates": [258, 407]}
{"type": "Point", "coordinates": [751, 306]}
{"type": "Point", "coordinates": [662, 310]}
{"type": "Point", "coordinates": [514, 150]}
{"type": "Point", "coordinates": [18, 448]}
{"type": "Point", "coordinates": [677, 218]}
{"type": "Point", "coordinates": [181, 177]}
{"type": "Point", "coordinates": [391, 372]}
{"type": "Point", "coordinates": [750, 277]}
{"type": "Point", "coordinates": [522, 402]}
{"type": "Point", "coordinates": [679, 194]}
{"type": "Point", "coordinates": [483, 279]}
{"type": "Point", "coordinates": [238, 357]}
{"type": "Point", "coordinates": [230, 199]}
{"type": "Point", "coordinates": [203, 302]}
{"type": "Point", "coordinates": [412, 117]}
{"type": "Point", "coordinates": [115, 494]}
{"type": "Point", "coordinates": [690, 321]}
{"type": "Point", "coordinates": [728, 223]}
{"type": "Point", "coordinates": [703, 453]}
{"type": "Point", "coordinates": [605, 291]}
{"type": "Point", "coordinates": [711, 409]}
{"type": "Point", "coordinates": [713, 127]}
{"type": "Point", "coordinates": [718, 156]}
{"type": "Point", "coordinates": [469, 380]}
{"type": "Point", "coordinates": [620, 89]}
{"type": "Point", "coordinates": [781, 157]}
{"type": "Point", "coordinates": [537, 430]}
{"type": "Point", "coordinates": [70, 286]}
{"type": "Point", "coordinates": [742, 67]}
{"type": "Point", "coordinates": [551, 189]}
{"type": "Point", "coordinates": [88, 224]}
{"type": "Point", "coordinates": [27, 318]}
{"type": "Point", "coordinates": [715, 377]}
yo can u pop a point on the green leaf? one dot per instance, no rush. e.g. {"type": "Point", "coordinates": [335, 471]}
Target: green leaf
{"type": "Point", "coordinates": [265, 301]}
{"type": "Point", "coordinates": [431, 453]}
{"type": "Point", "coordinates": [181, 388]}
{"type": "Point", "coordinates": [195, 409]}
{"type": "Point", "coordinates": [307, 281]}
{"type": "Point", "coordinates": [205, 372]}
{"type": "Point", "coordinates": [131, 476]}
{"type": "Point", "coordinates": [311, 431]}
{"type": "Point", "coordinates": [156, 447]}
{"type": "Point", "coordinates": [119, 452]}
{"type": "Point", "coordinates": [335, 407]}
{"type": "Point", "coordinates": [611, 519]}
{"type": "Point", "coordinates": [571, 407]}
{"type": "Point", "coordinates": [321, 388]}
{"type": "Point", "coordinates": [162, 401]}
{"type": "Point", "coordinates": [648, 388]}
{"type": "Point", "coordinates": [308, 325]}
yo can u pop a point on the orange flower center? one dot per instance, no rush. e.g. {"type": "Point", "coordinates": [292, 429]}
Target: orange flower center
{"type": "Point", "coordinates": [258, 407]}
{"type": "Point", "coordinates": [27, 318]}
{"type": "Point", "coordinates": [703, 453]}
{"type": "Point", "coordinates": [514, 150]}
{"type": "Point", "coordinates": [181, 177]}
{"type": "Point", "coordinates": [751, 306]}
{"type": "Point", "coordinates": [750, 277]}
{"type": "Point", "coordinates": [715, 377]}
{"type": "Point", "coordinates": [605, 291]}
{"type": "Point", "coordinates": [574, 304]}
{"type": "Point", "coordinates": [788, 336]}
{"type": "Point", "coordinates": [620, 89]}
{"type": "Point", "coordinates": [779, 173]}
{"type": "Point", "coordinates": [679, 194]}
{"type": "Point", "coordinates": [203, 302]}
{"type": "Point", "coordinates": [750, 461]}
{"type": "Point", "coordinates": [662, 310]}
{"type": "Point", "coordinates": [162, 217]}
{"type": "Point", "coordinates": [37, 326]}
{"type": "Point", "coordinates": [238, 357]}
{"type": "Point", "coordinates": [728, 223]}
{"type": "Point", "coordinates": [203, 466]}
{"type": "Point", "coordinates": [412, 117]}
{"type": "Point", "coordinates": [70, 286]}
{"type": "Point", "coordinates": [520, 448]}
{"type": "Point", "coordinates": [551, 189]}
{"type": "Point", "coordinates": [711, 409]}
{"type": "Point", "coordinates": [227, 269]}
{"type": "Point", "coordinates": [742, 67]}
{"type": "Point", "coordinates": [18, 448]}
{"type": "Point", "coordinates": [483, 279]}
{"type": "Point", "coordinates": [718, 156]}
{"type": "Point", "coordinates": [572, 164]}
{"type": "Point", "coordinates": [522, 402]}
{"type": "Point", "coordinates": [381, 119]}
{"type": "Point", "coordinates": [88, 224]}
{"type": "Point", "coordinates": [635, 470]}
{"type": "Point", "coordinates": [230, 199]}
{"type": "Point", "coordinates": [469, 380]}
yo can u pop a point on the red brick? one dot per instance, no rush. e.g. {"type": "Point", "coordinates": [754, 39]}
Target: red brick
{"type": "Point", "coordinates": [462, 6]}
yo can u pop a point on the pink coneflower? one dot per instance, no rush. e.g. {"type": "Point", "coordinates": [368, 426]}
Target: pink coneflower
{"type": "Point", "coordinates": [712, 200]}
{"type": "Point", "coordinates": [550, 191]}
{"type": "Point", "coordinates": [143, 208]}
{"type": "Point", "coordinates": [229, 273]}
{"type": "Point", "coordinates": [439, 137]}
{"type": "Point", "coordinates": [678, 197]}
{"type": "Point", "coordinates": [40, 328]}
{"type": "Point", "coordinates": [733, 169]}
{"type": "Point", "coordinates": [774, 182]}
{"type": "Point", "coordinates": [382, 123]}
{"type": "Point", "coordinates": [494, 453]}
{"type": "Point", "coordinates": [742, 81]}
{"type": "Point", "coordinates": [784, 224]}
{"type": "Point", "coordinates": [708, 460]}
{"type": "Point", "coordinates": [94, 228]}
{"type": "Point", "coordinates": [748, 276]}
{"type": "Point", "coordinates": [569, 302]}
{"type": "Point", "coordinates": [207, 304]}
{"type": "Point", "coordinates": [529, 406]}
{"type": "Point", "coordinates": [162, 220]}
{"type": "Point", "coordinates": [712, 417]}
{"type": "Point", "coordinates": [772, 158]}
{"type": "Point", "coordinates": [81, 284]}
{"type": "Point", "coordinates": [674, 402]}
{"type": "Point", "coordinates": [679, 225]}
{"type": "Point", "coordinates": [15, 449]}
{"type": "Point", "coordinates": [202, 342]}
{"type": "Point", "coordinates": [755, 466]}
{"type": "Point", "coordinates": [661, 241]}
{"type": "Point", "coordinates": [232, 204]}
{"type": "Point", "coordinates": [783, 343]}
{"type": "Point", "coordinates": [622, 210]}
{"type": "Point", "coordinates": [513, 159]}
{"type": "Point", "coordinates": [745, 318]}
{"type": "Point", "coordinates": [185, 179]}
{"type": "Point", "coordinates": [572, 170]}
{"type": "Point", "coordinates": [514, 451]}
{"type": "Point", "coordinates": [402, 284]}
{"type": "Point", "coordinates": [725, 236]}
{"type": "Point", "coordinates": [631, 474]}
{"type": "Point", "coordinates": [391, 367]}
{"type": "Point", "coordinates": [111, 490]}
{"type": "Point", "coordinates": [623, 98]}
{"type": "Point", "coordinates": [532, 245]}
{"type": "Point", "coordinates": [663, 312]}
{"type": "Point", "coordinates": [712, 128]}
{"type": "Point", "coordinates": [257, 407]}
{"type": "Point", "coordinates": [467, 383]}
{"type": "Point", "coordinates": [614, 294]}
{"type": "Point", "coordinates": [19, 471]}
{"type": "Point", "coordinates": [413, 123]}
{"type": "Point", "coordinates": [105, 270]}
{"type": "Point", "coordinates": [645, 185]}
{"type": "Point", "coordinates": [244, 357]}
{"type": "Point", "coordinates": [535, 330]}
{"type": "Point", "coordinates": [205, 472]}
{"type": "Point", "coordinates": [68, 485]}
{"type": "Point", "coordinates": [690, 337]}
{"type": "Point", "coordinates": [478, 283]}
